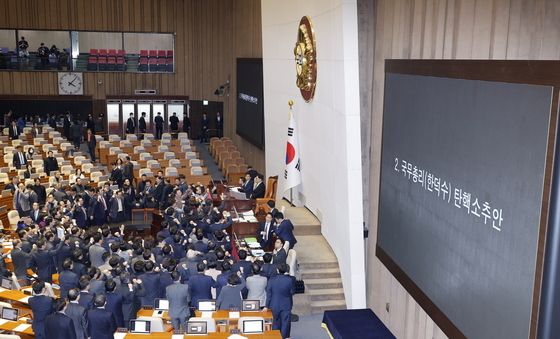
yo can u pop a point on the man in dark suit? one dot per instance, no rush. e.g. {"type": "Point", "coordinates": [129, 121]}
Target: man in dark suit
{"type": "Point", "coordinates": [158, 190]}
{"type": "Point", "coordinates": [265, 231]}
{"type": "Point", "coordinates": [131, 290]}
{"type": "Point", "coordinates": [114, 302]}
{"type": "Point", "coordinates": [279, 292]}
{"type": "Point", "coordinates": [77, 313]}
{"type": "Point", "coordinates": [58, 325]}
{"type": "Point", "coordinates": [20, 261]}
{"type": "Point", "coordinates": [66, 125]}
{"type": "Point", "coordinates": [174, 123]}
{"type": "Point", "coordinates": [41, 191]}
{"type": "Point", "coordinates": [80, 214]}
{"type": "Point", "coordinates": [116, 175]}
{"type": "Point", "coordinates": [128, 170]}
{"type": "Point", "coordinates": [204, 128]}
{"type": "Point", "coordinates": [159, 125]}
{"type": "Point", "coordinates": [142, 123]}
{"type": "Point", "coordinates": [116, 212]}
{"type": "Point", "coordinates": [42, 261]}
{"type": "Point", "coordinates": [36, 215]}
{"type": "Point", "coordinates": [131, 124]}
{"type": "Point", "coordinates": [150, 280]}
{"type": "Point", "coordinates": [85, 298]}
{"type": "Point", "coordinates": [101, 323]}
{"type": "Point", "coordinates": [201, 285]}
{"type": "Point", "coordinates": [219, 124]}
{"type": "Point", "coordinates": [186, 124]}
{"type": "Point", "coordinates": [247, 186]}
{"type": "Point", "coordinates": [19, 159]}
{"type": "Point", "coordinates": [258, 188]}
{"type": "Point", "coordinates": [76, 132]}
{"type": "Point", "coordinates": [179, 298]}
{"type": "Point", "coordinates": [13, 132]}
{"type": "Point", "coordinates": [13, 185]}
{"type": "Point", "coordinates": [91, 143]}
{"type": "Point", "coordinates": [50, 163]}
{"type": "Point", "coordinates": [285, 229]}
{"type": "Point", "coordinates": [41, 306]}
{"type": "Point", "coordinates": [67, 278]}
{"type": "Point", "coordinates": [268, 269]}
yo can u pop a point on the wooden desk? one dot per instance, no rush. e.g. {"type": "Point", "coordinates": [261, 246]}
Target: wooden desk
{"type": "Point", "coordinates": [15, 296]}
{"type": "Point", "coordinates": [275, 334]}
{"type": "Point", "coordinates": [11, 325]}
{"type": "Point", "coordinates": [224, 315]}
{"type": "Point", "coordinates": [148, 313]}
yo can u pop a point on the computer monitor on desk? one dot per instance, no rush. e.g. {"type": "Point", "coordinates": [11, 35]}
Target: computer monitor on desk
{"type": "Point", "coordinates": [11, 314]}
{"type": "Point", "coordinates": [6, 283]}
{"type": "Point", "coordinates": [161, 305]}
{"type": "Point", "coordinates": [253, 326]}
{"type": "Point", "coordinates": [197, 327]}
{"type": "Point", "coordinates": [251, 305]}
{"type": "Point", "coordinates": [207, 305]}
{"type": "Point", "coordinates": [140, 326]}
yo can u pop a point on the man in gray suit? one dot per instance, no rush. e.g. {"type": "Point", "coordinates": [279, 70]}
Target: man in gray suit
{"type": "Point", "coordinates": [179, 297]}
{"type": "Point", "coordinates": [256, 284]}
{"type": "Point", "coordinates": [21, 200]}
{"type": "Point", "coordinates": [96, 251]}
{"type": "Point", "coordinates": [77, 313]}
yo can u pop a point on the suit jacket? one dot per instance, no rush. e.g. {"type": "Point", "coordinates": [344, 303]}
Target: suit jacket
{"type": "Point", "coordinates": [285, 231]}
{"type": "Point", "coordinates": [92, 142]}
{"type": "Point", "coordinates": [13, 133]}
{"type": "Point", "coordinates": [128, 172]}
{"type": "Point", "coordinates": [86, 300]}
{"type": "Point", "coordinates": [258, 192]}
{"type": "Point", "coordinates": [247, 267]}
{"type": "Point", "coordinates": [158, 192]}
{"type": "Point", "coordinates": [78, 315]}
{"type": "Point", "coordinates": [173, 123]}
{"type": "Point", "coordinates": [36, 215]}
{"type": "Point", "coordinates": [256, 284]}
{"type": "Point", "coordinates": [279, 292]}
{"type": "Point", "coordinates": [130, 125]}
{"type": "Point", "coordinates": [95, 255]}
{"type": "Point", "coordinates": [50, 164]}
{"type": "Point", "coordinates": [131, 300]}
{"type": "Point", "coordinates": [150, 280]}
{"type": "Point", "coordinates": [114, 209]}
{"type": "Point", "coordinates": [43, 263]}
{"type": "Point", "coordinates": [20, 260]}
{"type": "Point", "coordinates": [279, 257]}
{"type": "Point", "coordinates": [41, 306]}
{"type": "Point", "coordinates": [230, 296]}
{"type": "Point", "coordinates": [142, 125]}
{"type": "Point", "coordinates": [248, 188]}
{"type": "Point", "coordinates": [201, 288]}
{"type": "Point", "coordinates": [159, 121]}
{"type": "Point", "coordinates": [67, 281]}
{"type": "Point", "coordinates": [101, 323]}
{"type": "Point", "coordinates": [35, 132]}
{"type": "Point", "coordinates": [19, 162]}
{"type": "Point", "coordinates": [262, 227]}
{"type": "Point", "coordinates": [59, 326]}
{"type": "Point", "coordinates": [179, 298]}
{"type": "Point", "coordinates": [41, 192]}
{"type": "Point", "coordinates": [80, 214]}
{"type": "Point", "coordinates": [115, 306]}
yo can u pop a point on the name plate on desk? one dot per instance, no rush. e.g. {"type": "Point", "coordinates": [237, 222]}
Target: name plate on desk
{"type": "Point", "coordinates": [206, 314]}
{"type": "Point", "coordinates": [234, 315]}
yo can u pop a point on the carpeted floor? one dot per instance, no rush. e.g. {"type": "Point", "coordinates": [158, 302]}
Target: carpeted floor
{"type": "Point", "coordinates": [309, 327]}
{"type": "Point", "coordinates": [208, 161]}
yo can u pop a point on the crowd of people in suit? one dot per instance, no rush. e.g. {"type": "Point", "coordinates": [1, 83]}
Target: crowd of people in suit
{"type": "Point", "coordinates": [105, 277]}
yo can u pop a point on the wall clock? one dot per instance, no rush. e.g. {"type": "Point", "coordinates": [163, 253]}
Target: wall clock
{"type": "Point", "coordinates": [70, 83]}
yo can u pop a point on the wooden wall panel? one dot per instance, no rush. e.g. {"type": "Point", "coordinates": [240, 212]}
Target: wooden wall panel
{"type": "Point", "coordinates": [210, 35]}
{"type": "Point", "coordinates": [436, 29]}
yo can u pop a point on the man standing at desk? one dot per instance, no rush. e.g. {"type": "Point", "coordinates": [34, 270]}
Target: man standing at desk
{"type": "Point", "coordinates": [279, 292]}
{"type": "Point", "coordinates": [41, 306]}
{"type": "Point", "coordinates": [179, 298]}
{"type": "Point", "coordinates": [102, 324]}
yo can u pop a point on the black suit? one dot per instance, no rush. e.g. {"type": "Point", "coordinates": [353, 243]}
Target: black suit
{"type": "Point", "coordinates": [14, 133]}
{"type": "Point", "coordinates": [130, 125]}
{"type": "Point", "coordinates": [20, 260]}
{"type": "Point", "coordinates": [265, 243]}
{"type": "Point", "coordinates": [41, 193]}
{"type": "Point", "coordinates": [142, 125]}
{"type": "Point", "coordinates": [128, 172]}
{"type": "Point", "coordinates": [101, 324]}
{"type": "Point", "coordinates": [41, 306]}
{"type": "Point", "coordinates": [258, 192]}
{"type": "Point", "coordinates": [91, 143]}
{"type": "Point", "coordinates": [159, 126]}
{"type": "Point", "coordinates": [59, 326]}
{"type": "Point", "coordinates": [174, 123]}
{"type": "Point", "coordinates": [19, 160]}
{"type": "Point", "coordinates": [50, 164]}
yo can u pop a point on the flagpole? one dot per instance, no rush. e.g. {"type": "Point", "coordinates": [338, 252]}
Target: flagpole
{"type": "Point", "coordinates": [291, 103]}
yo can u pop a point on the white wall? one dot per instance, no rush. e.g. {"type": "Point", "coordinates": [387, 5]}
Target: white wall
{"type": "Point", "coordinates": [329, 126]}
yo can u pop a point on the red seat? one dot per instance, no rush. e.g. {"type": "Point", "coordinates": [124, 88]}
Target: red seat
{"type": "Point", "coordinates": [102, 60]}
{"type": "Point", "coordinates": [120, 60]}
{"type": "Point", "coordinates": [111, 60]}
{"type": "Point", "coordinates": [143, 52]}
{"type": "Point", "coordinates": [112, 52]}
{"type": "Point", "coordinates": [121, 53]}
{"type": "Point", "coordinates": [170, 53]}
{"type": "Point", "coordinates": [161, 54]}
{"type": "Point", "coordinates": [170, 61]}
{"type": "Point", "coordinates": [92, 60]}
{"type": "Point", "coordinates": [153, 53]}
{"type": "Point", "coordinates": [143, 61]}
{"type": "Point", "coordinates": [93, 52]}
{"type": "Point", "coordinates": [103, 52]}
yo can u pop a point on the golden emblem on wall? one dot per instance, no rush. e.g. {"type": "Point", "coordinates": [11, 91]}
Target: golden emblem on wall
{"type": "Point", "coordinates": [306, 59]}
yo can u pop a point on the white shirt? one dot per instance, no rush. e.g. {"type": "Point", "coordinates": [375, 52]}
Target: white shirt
{"type": "Point", "coordinates": [120, 205]}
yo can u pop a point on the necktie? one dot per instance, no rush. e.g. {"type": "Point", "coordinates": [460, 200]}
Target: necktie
{"type": "Point", "coordinates": [103, 202]}
{"type": "Point", "coordinates": [21, 158]}
{"type": "Point", "coordinates": [267, 226]}
{"type": "Point", "coordinates": [15, 130]}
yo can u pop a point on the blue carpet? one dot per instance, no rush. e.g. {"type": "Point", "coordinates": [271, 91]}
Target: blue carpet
{"type": "Point", "coordinates": [208, 161]}
{"type": "Point", "coordinates": [309, 327]}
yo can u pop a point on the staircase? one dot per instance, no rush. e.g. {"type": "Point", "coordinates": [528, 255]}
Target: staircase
{"type": "Point", "coordinates": [323, 286]}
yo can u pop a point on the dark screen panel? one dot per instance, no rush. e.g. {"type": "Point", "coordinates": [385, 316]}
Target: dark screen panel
{"type": "Point", "coordinates": [453, 149]}
{"type": "Point", "coordinates": [250, 107]}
